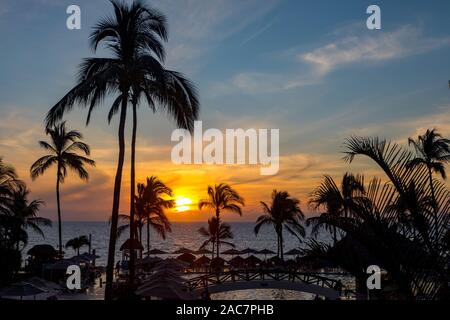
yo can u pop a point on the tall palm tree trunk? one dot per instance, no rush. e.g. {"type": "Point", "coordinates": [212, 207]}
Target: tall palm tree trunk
{"type": "Point", "coordinates": [433, 195]}
{"type": "Point", "coordinates": [116, 201]}
{"type": "Point", "coordinates": [133, 191]}
{"type": "Point", "coordinates": [278, 232]}
{"type": "Point", "coordinates": [58, 204]}
{"type": "Point", "coordinates": [278, 243]}
{"type": "Point", "coordinates": [281, 244]}
{"type": "Point", "coordinates": [148, 236]}
{"type": "Point", "coordinates": [334, 235]}
{"type": "Point", "coordinates": [218, 230]}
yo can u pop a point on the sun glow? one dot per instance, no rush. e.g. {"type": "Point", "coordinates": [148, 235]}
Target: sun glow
{"type": "Point", "coordinates": [182, 204]}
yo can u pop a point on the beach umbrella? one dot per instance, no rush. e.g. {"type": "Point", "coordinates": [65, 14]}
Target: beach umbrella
{"type": "Point", "coordinates": [202, 261]}
{"type": "Point", "coordinates": [183, 250]}
{"type": "Point", "coordinates": [249, 251]}
{"type": "Point", "coordinates": [217, 262]}
{"type": "Point", "coordinates": [237, 262]}
{"type": "Point", "coordinates": [164, 283]}
{"type": "Point", "coordinates": [252, 261]}
{"type": "Point", "coordinates": [232, 252]}
{"type": "Point", "coordinates": [42, 249]}
{"type": "Point", "coordinates": [21, 289]}
{"type": "Point", "coordinates": [293, 252]}
{"type": "Point", "coordinates": [265, 252]}
{"type": "Point", "coordinates": [131, 244]}
{"type": "Point", "coordinates": [203, 251]}
{"type": "Point", "coordinates": [155, 252]}
{"type": "Point", "coordinates": [186, 257]}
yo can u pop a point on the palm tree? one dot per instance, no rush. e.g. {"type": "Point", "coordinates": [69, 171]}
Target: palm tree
{"type": "Point", "coordinates": [391, 222]}
{"type": "Point", "coordinates": [63, 149]}
{"type": "Point", "coordinates": [153, 194]}
{"type": "Point", "coordinates": [222, 197]}
{"type": "Point", "coordinates": [336, 202]}
{"type": "Point", "coordinates": [26, 212]}
{"type": "Point", "coordinates": [217, 233]}
{"type": "Point", "coordinates": [77, 243]}
{"type": "Point", "coordinates": [156, 85]}
{"type": "Point", "coordinates": [133, 34]}
{"type": "Point", "coordinates": [150, 209]}
{"type": "Point", "coordinates": [8, 181]}
{"type": "Point", "coordinates": [171, 91]}
{"type": "Point", "coordinates": [433, 152]}
{"type": "Point", "coordinates": [21, 214]}
{"type": "Point", "coordinates": [8, 184]}
{"type": "Point", "coordinates": [284, 211]}
{"type": "Point", "coordinates": [12, 226]}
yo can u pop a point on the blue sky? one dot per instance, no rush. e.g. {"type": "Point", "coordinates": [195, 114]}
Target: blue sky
{"type": "Point", "coordinates": [310, 68]}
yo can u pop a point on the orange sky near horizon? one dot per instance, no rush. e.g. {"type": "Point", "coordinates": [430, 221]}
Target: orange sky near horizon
{"type": "Point", "coordinates": [299, 173]}
{"type": "Point", "coordinates": [92, 201]}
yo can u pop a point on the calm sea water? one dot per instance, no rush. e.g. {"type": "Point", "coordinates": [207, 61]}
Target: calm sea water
{"type": "Point", "coordinates": [183, 235]}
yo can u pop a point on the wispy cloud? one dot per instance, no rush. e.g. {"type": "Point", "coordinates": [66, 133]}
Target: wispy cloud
{"type": "Point", "coordinates": [198, 26]}
{"type": "Point", "coordinates": [260, 82]}
{"type": "Point", "coordinates": [358, 47]}
{"type": "Point", "coordinates": [259, 31]}
{"type": "Point", "coordinates": [255, 83]}
{"type": "Point", "coordinates": [371, 47]}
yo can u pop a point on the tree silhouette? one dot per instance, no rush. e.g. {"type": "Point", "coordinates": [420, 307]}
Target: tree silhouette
{"type": "Point", "coordinates": [62, 149]}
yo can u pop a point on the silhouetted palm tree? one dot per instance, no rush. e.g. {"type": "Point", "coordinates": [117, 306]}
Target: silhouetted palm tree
{"type": "Point", "coordinates": [162, 89]}
{"type": "Point", "coordinates": [153, 193]}
{"type": "Point", "coordinates": [222, 197]}
{"type": "Point", "coordinates": [432, 151]}
{"type": "Point", "coordinates": [77, 243]}
{"type": "Point", "coordinates": [217, 233]}
{"type": "Point", "coordinates": [8, 183]}
{"type": "Point", "coordinates": [63, 148]}
{"type": "Point", "coordinates": [133, 34]}
{"type": "Point", "coordinates": [284, 211]}
{"type": "Point", "coordinates": [26, 211]}
{"type": "Point", "coordinates": [23, 215]}
{"type": "Point", "coordinates": [150, 209]}
{"type": "Point", "coordinates": [335, 201]}
{"type": "Point", "coordinates": [391, 221]}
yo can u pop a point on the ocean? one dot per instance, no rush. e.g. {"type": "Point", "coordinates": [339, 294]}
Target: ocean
{"type": "Point", "coordinates": [184, 234]}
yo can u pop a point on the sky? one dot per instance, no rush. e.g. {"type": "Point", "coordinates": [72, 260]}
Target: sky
{"type": "Point", "coordinates": [309, 68]}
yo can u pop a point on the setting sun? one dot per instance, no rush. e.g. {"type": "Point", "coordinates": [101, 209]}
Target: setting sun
{"type": "Point", "coordinates": [182, 204]}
